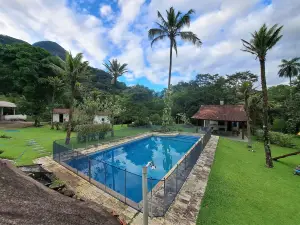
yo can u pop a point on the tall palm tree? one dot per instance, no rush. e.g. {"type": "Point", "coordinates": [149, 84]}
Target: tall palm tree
{"type": "Point", "coordinates": [115, 69]}
{"type": "Point", "coordinates": [73, 69]}
{"type": "Point", "coordinates": [262, 41]}
{"type": "Point", "coordinates": [289, 68]}
{"type": "Point", "coordinates": [171, 28]}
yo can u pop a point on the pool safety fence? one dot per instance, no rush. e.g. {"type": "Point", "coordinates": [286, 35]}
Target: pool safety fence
{"type": "Point", "coordinates": [121, 183]}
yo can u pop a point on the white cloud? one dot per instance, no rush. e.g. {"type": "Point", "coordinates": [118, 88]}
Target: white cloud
{"type": "Point", "coordinates": [122, 33]}
{"type": "Point", "coordinates": [105, 10]}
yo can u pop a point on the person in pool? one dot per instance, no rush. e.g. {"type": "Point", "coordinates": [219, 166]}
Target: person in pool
{"type": "Point", "coordinates": [151, 165]}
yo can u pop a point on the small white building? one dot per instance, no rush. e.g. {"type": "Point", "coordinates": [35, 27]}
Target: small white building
{"type": "Point", "coordinates": [101, 117]}
{"type": "Point", "coordinates": [62, 115]}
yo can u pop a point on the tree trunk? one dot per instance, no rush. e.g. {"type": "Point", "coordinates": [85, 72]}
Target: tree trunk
{"type": "Point", "coordinates": [269, 162]}
{"type": "Point", "coordinates": [112, 111]}
{"type": "Point", "coordinates": [291, 87]}
{"type": "Point", "coordinates": [170, 66]}
{"type": "Point", "coordinates": [52, 124]}
{"type": "Point", "coordinates": [69, 130]}
{"type": "Point", "coordinates": [248, 122]}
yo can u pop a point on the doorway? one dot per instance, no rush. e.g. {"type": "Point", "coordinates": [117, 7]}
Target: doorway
{"type": "Point", "coordinates": [61, 118]}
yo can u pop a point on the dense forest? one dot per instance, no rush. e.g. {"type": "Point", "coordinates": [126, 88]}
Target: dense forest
{"type": "Point", "coordinates": [27, 77]}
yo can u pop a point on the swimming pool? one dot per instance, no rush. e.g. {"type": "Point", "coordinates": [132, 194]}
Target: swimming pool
{"type": "Point", "coordinates": [120, 168]}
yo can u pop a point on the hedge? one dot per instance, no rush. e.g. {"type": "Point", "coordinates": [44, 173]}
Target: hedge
{"type": "Point", "coordinates": [277, 138]}
{"type": "Point", "coordinates": [92, 132]}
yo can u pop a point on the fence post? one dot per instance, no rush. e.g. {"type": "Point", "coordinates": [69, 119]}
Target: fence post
{"type": "Point", "coordinates": [151, 205]}
{"type": "Point", "coordinates": [104, 175]}
{"type": "Point", "coordinates": [176, 178]}
{"type": "Point", "coordinates": [86, 138]}
{"type": "Point", "coordinates": [125, 185]}
{"type": "Point", "coordinates": [145, 197]}
{"type": "Point", "coordinates": [77, 161]}
{"type": "Point", "coordinates": [164, 194]}
{"type": "Point", "coordinates": [89, 170]}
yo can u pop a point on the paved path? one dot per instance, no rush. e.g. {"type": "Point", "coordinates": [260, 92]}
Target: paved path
{"type": "Point", "coordinates": [184, 209]}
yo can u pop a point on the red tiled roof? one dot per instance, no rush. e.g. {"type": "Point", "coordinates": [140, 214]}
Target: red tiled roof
{"type": "Point", "coordinates": [61, 111]}
{"type": "Point", "coordinates": [221, 112]}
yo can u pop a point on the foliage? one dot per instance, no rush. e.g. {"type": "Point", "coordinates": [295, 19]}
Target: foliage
{"type": "Point", "coordinates": [90, 132]}
{"type": "Point", "coordinates": [262, 41]}
{"type": "Point", "coordinates": [115, 69]}
{"type": "Point", "coordinates": [184, 118]}
{"type": "Point", "coordinates": [5, 136]}
{"type": "Point", "coordinates": [155, 119]}
{"type": "Point", "coordinates": [289, 68]}
{"type": "Point", "coordinates": [167, 118]}
{"type": "Point", "coordinates": [277, 138]}
{"type": "Point", "coordinates": [170, 28]}
{"type": "Point", "coordinates": [279, 125]}
{"type": "Point", "coordinates": [23, 69]}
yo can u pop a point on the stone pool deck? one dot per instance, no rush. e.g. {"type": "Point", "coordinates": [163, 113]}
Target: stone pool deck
{"type": "Point", "coordinates": [184, 209]}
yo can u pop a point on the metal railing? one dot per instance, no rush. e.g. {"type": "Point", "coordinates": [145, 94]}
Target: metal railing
{"type": "Point", "coordinates": [127, 186]}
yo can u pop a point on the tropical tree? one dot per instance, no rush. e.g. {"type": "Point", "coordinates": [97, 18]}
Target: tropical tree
{"type": "Point", "coordinates": [56, 83]}
{"type": "Point", "coordinates": [262, 41]}
{"type": "Point", "coordinates": [246, 90]}
{"type": "Point", "coordinates": [115, 69]}
{"type": "Point", "coordinates": [289, 68]}
{"type": "Point", "coordinates": [171, 28]}
{"type": "Point", "coordinates": [73, 69]}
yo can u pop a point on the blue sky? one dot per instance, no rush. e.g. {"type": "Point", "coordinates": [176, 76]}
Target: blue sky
{"type": "Point", "coordinates": [106, 29]}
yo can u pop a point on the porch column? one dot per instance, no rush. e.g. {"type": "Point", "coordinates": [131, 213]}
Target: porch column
{"type": "Point", "coordinates": [226, 123]}
{"type": "Point", "coordinates": [1, 113]}
{"type": "Point", "coordinates": [14, 111]}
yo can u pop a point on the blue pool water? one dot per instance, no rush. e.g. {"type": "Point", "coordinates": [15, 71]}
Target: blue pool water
{"type": "Point", "coordinates": [108, 167]}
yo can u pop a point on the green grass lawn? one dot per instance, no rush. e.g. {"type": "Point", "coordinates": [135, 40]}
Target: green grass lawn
{"type": "Point", "coordinates": [241, 190]}
{"type": "Point", "coordinates": [18, 147]}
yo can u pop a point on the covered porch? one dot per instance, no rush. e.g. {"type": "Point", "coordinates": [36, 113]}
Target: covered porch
{"type": "Point", "coordinates": [8, 112]}
{"type": "Point", "coordinates": [223, 120]}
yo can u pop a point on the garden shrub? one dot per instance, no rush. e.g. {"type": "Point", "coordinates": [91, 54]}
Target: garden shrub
{"type": "Point", "coordinates": [277, 138]}
{"type": "Point", "coordinates": [92, 132]}
{"type": "Point", "coordinates": [5, 136]}
{"type": "Point", "coordinates": [156, 119]}
{"type": "Point", "coordinates": [279, 125]}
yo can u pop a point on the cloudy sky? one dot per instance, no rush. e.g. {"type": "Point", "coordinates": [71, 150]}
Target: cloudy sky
{"type": "Point", "coordinates": [105, 29]}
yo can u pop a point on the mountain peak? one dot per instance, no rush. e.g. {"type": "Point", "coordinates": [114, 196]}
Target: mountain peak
{"type": "Point", "coordinates": [52, 47]}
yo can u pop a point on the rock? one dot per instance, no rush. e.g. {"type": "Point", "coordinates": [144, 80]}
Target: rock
{"type": "Point", "coordinates": [68, 192]}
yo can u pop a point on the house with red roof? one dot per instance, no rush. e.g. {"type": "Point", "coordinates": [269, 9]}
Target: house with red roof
{"type": "Point", "coordinates": [222, 117]}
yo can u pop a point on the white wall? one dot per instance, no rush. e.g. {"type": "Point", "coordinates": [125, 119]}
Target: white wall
{"type": "Point", "coordinates": [55, 117]}
{"type": "Point", "coordinates": [15, 117]}
{"type": "Point", "coordinates": [101, 119]}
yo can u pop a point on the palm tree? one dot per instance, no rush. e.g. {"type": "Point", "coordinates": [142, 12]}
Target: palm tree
{"type": "Point", "coordinates": [246, 90]}
{"type": "Point", "coordinates": [262, 41]}
{"type": "Point", "coordinates": [171, 28]}
{"type": "Point", "coordinates": [115, 69]}
{"type": "Point", "coordinates": [73, 69]}
{"type": "Point", "coordinates": [289, 68]}
{"type": "Point", "coordinates": [56, 83]}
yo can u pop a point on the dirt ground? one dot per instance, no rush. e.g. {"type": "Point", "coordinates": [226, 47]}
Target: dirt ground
{"type": "Point", "coordinates": [15, 124]}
